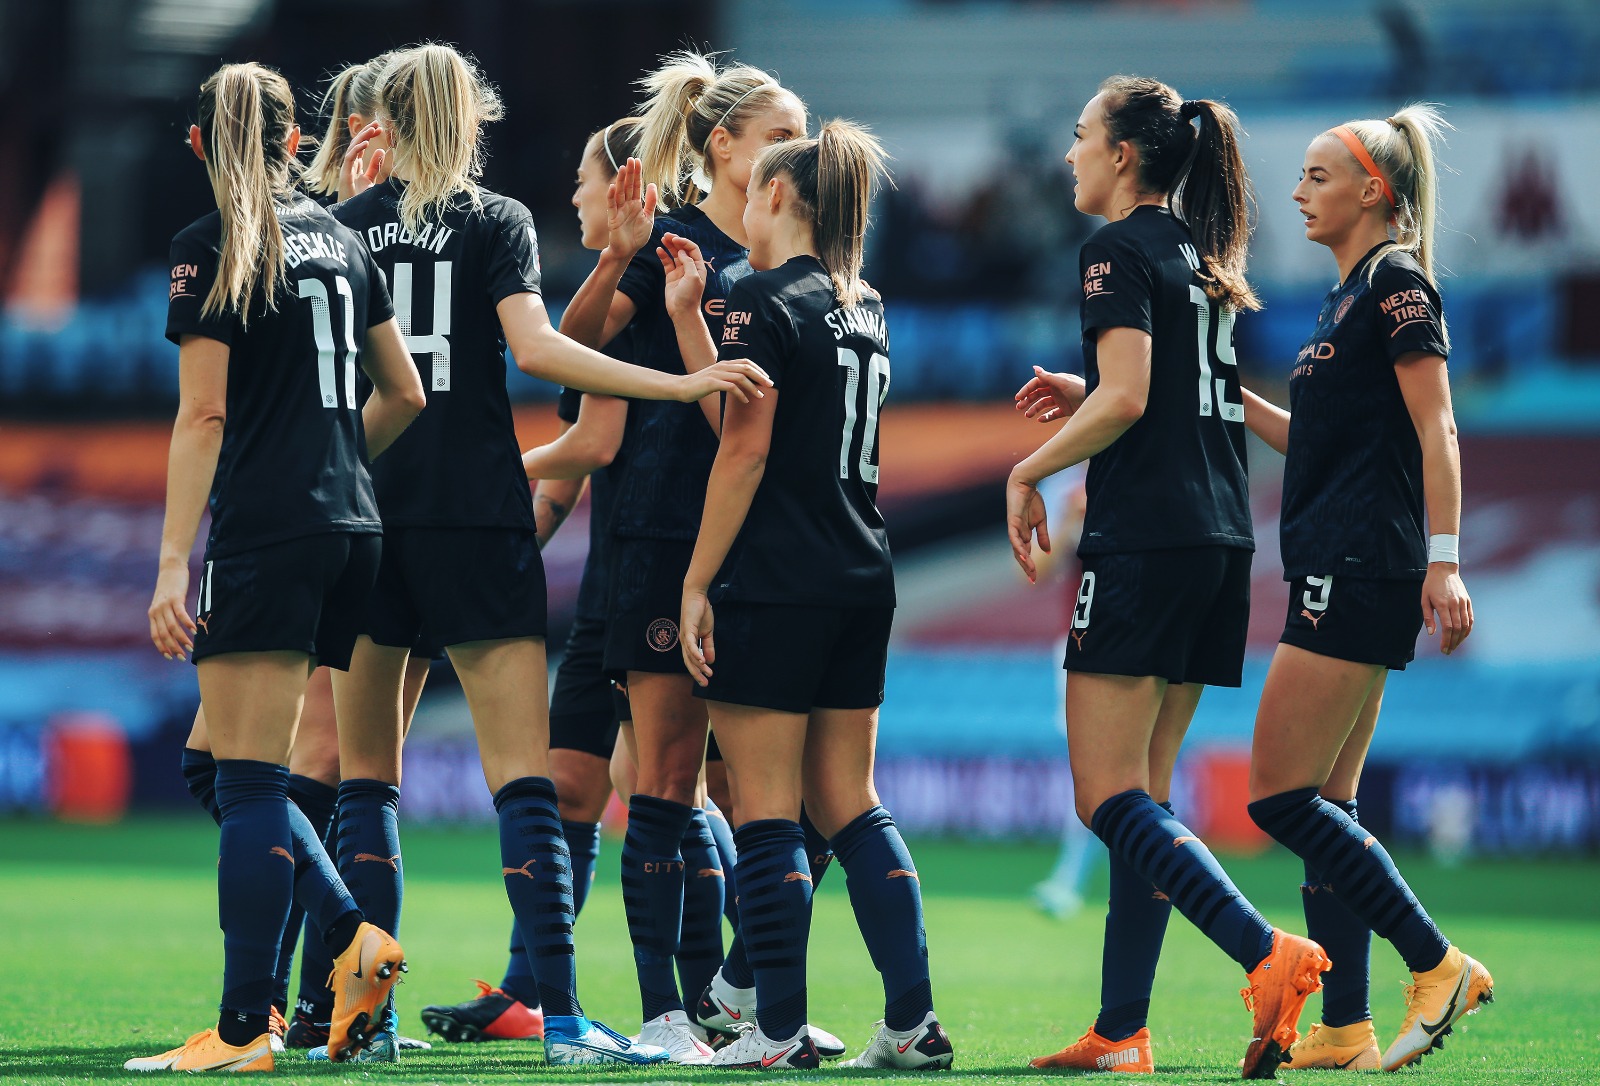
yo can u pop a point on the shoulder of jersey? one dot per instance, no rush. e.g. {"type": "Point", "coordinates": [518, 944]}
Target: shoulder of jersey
{"type": "Point", "coordinates": [1401, 261]}
{"type": "Point", "coordinates": [206, 230]}
{"type": "Point", "coordinates": [790, 280]}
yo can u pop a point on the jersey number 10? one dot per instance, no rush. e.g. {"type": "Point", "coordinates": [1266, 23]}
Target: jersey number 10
{"type": "Point", "coordinates": [1214, 390]}
{"type": "Point", "coordinates": [877, 391]}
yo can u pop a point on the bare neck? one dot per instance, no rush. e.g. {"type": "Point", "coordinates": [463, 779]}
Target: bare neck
{"type": "Point", "coordinates": [724, 206]}
{"type": "Point", "coordinates": [1348, 251]}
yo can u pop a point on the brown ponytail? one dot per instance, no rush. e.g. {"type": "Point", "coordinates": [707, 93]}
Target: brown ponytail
{"type": "Point", "coordinates": [246, 115]}
{"type": "Point", "coordinates": [353, 91]}
{"type": "Point", "coordinates": [834, 177]}
{"type": "Point", "coordinates": [1202, 174]}
{"type": "Point", "coordinates": [439, 103]}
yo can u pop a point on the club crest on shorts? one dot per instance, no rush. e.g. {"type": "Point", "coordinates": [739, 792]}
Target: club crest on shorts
{"type": "Point", "coordinates": [662, 635]}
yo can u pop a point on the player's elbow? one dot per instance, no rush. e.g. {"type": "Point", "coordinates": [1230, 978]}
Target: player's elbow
{"type": "Point", "coordinates": [1127, 406]}
{"type": "Point", "coordinates": [413, 399]}
{"type": "Point", "coordinates": [203, 417]}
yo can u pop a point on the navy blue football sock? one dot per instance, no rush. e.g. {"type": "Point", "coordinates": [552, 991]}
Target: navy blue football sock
{"type": "Point", "coordinates": [519, 982]}
{"type": "Point", "coordinates": [255, 883]}
{"type": "Point", "coordinates": [369, 849]}
{"type": "Point", "coordinates": [315, 801]}
{"type": "Point", "coordinates": [1163, 852]}
{"type": "Point", "coordinates": [700, 938]}
{"type": "Point", "coordinates": [538, 875]}
{"type": "Point", "coordinates": [775, 914]}
{"type": "Point", "coordinates": [1346, 939]}
{"type": "Point", "coordinates": [1136, 923]}
{"type": "Point", "coordinates": [314, 1000]}
{"type": "Point", "coordinates": [200, 776]}
{"type": "Point", "coordinates": [736, 966]}
{"type": "Point", "coordinates": [819, 852]}
{"type": "Point", "coordinates": [652, 896]}
{"type": "Point", "coordinates": [1361, 873]}
{"type": "Point", "coordinates": [583, 842]}
{"type": "Point", "coordinates": [886, 895]}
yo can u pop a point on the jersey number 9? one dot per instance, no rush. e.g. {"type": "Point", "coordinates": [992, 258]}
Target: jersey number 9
{"type": "Point", "coordinates": [877, 390]}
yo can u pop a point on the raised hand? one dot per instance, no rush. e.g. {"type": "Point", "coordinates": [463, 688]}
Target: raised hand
{"type": "Point", "coordinates": [1445, 603]}
{"type": "Point", "coordinates": [686, 273]}
{"type": "Point", "coordinates": [1050, 397]}
{"type": "Point", "coordinates": [631, 210]}
{"type": "Point", "coordinates": [1025, 519]}
{"type": "Point", "coordinates": [737, 377]}
{"type": "Point", "coordinates": [356, 177]}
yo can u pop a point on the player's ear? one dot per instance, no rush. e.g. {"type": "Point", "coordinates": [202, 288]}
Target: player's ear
{"type": "Point", "coordinates": [774, 195]}
{"type": "Point", "coordinates": [1125, 156]}
{"type": "Point", "coordinates": [195, 143]}
{"type": "Point", "coordinates": [293, 143]}
{"type": "Point", "coordinates": [355, 123]}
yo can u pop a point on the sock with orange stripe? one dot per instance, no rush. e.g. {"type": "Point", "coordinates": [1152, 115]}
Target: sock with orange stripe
{"type": "Point", "coordinates": [700, 938]}
{"type": "Point", "coordinates": [775, 917]}
{"type": "Point", "coordinates": [255, 884]}
{"type": "Point", "coordinates": [1346, 939]}
{"type": "Point", "coordinates": [736, 966]}
{"type": "Point", "coordinates": [1163, 851]}
{"type": "Point", "coordinates": [652, 896]}
{"type": "Point", "coordinates": [314, 800]}
{"type": "Point", "coordinates": [1136, 923]}
{"type": "Point", "coordinates": [537, 870]}
{"type": "Point", "coordinates": [886, 896]}
{"type": "Point", "coordinates": [369, 849]}
{"type": "Point", "coordinates": [1357, 867]}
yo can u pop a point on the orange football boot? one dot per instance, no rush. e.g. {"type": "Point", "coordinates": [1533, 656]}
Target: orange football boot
{"type": "Point", "coordinates": [1092, 1052]}
{"type": "Point", "coordinates": [362, 977]}
{"type": "Point", "coordinates": [1278, 990]}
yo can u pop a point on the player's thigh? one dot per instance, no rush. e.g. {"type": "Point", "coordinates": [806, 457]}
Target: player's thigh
{"type": "Point", "coordinates": [506, 687]}
{"type": "Point", "coordinates": [764, 751]}
{"type": "Point", "coordinates": [669, 733]}
{"type": "Point", "coordinates": [316, 740]}
{"type": "Point", "coordinates": [1166, 739]}
{"type": "Point", "coordinates": [1308, 710]}
{"type": "Point", "coordinates": [367, 701]}
{"type": "Point", "coordinates": [841, 745]}
{"type": "Point", "coordinates": [1345, 777]}
{"type": "Point", "coordinates": [252, 702]}
{"type": "Point", "coordinates": [418, 667]}
{"type": "Point", "coordinates": [624, 764]}
{"type": "Point", "coordinates": [717, 782]}
{"type": "Point", "coordinates": [1110, 721]}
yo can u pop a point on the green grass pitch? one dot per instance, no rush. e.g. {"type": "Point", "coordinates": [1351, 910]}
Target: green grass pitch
{"type": "Point", "coordinates": [109, 949]}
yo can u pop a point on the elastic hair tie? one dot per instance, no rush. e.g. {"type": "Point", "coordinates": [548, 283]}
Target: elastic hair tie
{"type": "Point", "coordinates": [704, 147]}
{"type": "Point", "coordinates": [1189, 110]}
{"type": "Point", "coordinates": [605, 143]}
{"type": "Point", "coordinates": [1363, 156]}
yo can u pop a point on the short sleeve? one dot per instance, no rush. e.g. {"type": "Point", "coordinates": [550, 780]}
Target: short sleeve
{"type": "Point", "coordinates": [513, 266]}
{"type": "Point", "coordinates": [756, 327]}
{"type": "Point", "coordinates": [380, 307]}
{"type": "Point", "coordinates": [193, 266]}
{"type": "Point", "coordinates": [644, 280]}
{"type": "Point", "coordinates": [1409, 317]}
{"type": "Point", "coordinates": [568, 406]}
{"type": "Point", "coordinates": [1118, 285]}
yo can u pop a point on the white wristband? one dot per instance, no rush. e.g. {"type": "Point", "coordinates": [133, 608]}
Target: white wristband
{"type": "Point", "coordinates": [1444, 548]}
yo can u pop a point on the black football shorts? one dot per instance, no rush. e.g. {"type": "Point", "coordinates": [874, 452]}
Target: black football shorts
{"type": "Point", "coordinates": [301, 595]}
{"type": "Point", "coordinates": [1180, 614]}
{"type": "Point", "coordinates": [1360, 619]}
{"type": "Point", "coordinates": [449, 586]}
{"type": "Point", "coordinates": [586, 707]}
{"type": "Point", "coordinates": [646, 597]}
{"type": "Point", "coordinates": [793, 659]}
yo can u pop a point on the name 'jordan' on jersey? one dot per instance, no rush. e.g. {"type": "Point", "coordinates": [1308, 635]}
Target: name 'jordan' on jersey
{"type": "Point", "coordinates": [813, 535]}
{"type": "Point", "coordinates": [458, 464]}
{"type": "Point", "coordinates": [293, 460]}
{"type": "Point", "coordinates": [1177, 476]}
{"type": "Point", "coordinates": [1352, 482]}
{"type": "Point", "coordinates": [670, 447]}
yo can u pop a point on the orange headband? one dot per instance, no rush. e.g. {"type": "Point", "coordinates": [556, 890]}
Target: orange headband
{"type": "Point", "coordinates": [1359, 149]}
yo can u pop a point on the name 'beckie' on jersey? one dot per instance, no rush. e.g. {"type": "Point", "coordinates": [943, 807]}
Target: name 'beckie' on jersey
{"type": "Point", "coordinates": [813, 535]}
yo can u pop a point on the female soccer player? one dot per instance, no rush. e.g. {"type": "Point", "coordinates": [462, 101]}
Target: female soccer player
{"type": "Point", "coordinates": [1166, 544]}
{"type": "Point", "coordinates": [461, 558]}
{"type": "Point", "coordinates": [1371, 446]}
{"type": "Point", "coordinates": [267, 296]}
{"type": "Point", "coordinates": [351, 103]}
{"type": "Point", "coordinates": [712, 122]}
{"type": "Point", "coordinates": [585, 708]}
{"type": "Point", "coordinates": [793, 546]}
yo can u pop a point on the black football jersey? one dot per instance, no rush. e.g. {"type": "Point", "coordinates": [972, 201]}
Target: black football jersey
{"type": "Point", "coordinates": [459, 464]}
{"type": "Point", "coordinates": [1352, 482]}
{"type": "Point", "coordinates": [814, 535]}
{"type": "Point", "coordinates": [595, 586]}
{"type": "Point", "coordinates": [294, 456]}
{"type": "Point", "coordinates": [1177, 476]}
{"type": "Point", "coordinates": [670, 447]}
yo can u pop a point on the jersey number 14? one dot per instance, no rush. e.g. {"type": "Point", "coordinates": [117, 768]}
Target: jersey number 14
{"type": "Point", "coordinates": [877, 377]}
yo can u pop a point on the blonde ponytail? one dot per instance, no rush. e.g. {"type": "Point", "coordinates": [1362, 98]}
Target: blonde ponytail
{"type": "Point", "coordinates": [1402, 147]}
{"type": "Point", "coordinates": [246, 115]}
{"type": "Point", "coordinates": [439, 103]}
{"type": "Point", "coordinates": [353, 92]}
{"type": "Point", "coordinates": [689, 99]}
{"type": "Point", "coordinates": [834, 177]}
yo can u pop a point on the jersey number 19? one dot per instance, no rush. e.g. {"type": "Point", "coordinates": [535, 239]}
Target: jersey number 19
{"type": "Point", "coordinates": [877, 390]}
{"type": "Point", "coordinates": [1214, 390]}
